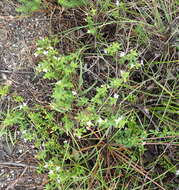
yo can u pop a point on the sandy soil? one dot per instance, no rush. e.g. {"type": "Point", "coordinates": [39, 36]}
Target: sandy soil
{"type": "Point", "coordinates": [17, 43]}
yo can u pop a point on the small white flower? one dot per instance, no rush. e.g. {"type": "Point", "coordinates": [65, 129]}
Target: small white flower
{"type": "Point", "coordinates": [132, 65]}
{"type": "Point", "coordinates": [4, 76]}
{"type": "Point", "coordinates": [58, 180]}
{"type": "Point", "coordinates": [51, 172]}
{"type": "Point", "coordinates": [46, 166]}
{"type": "Point", "coordinates": [100, 120]}
{"type": "Point", "coordinates": [45, 70]}
{"type": "Point", "coordinates": [12, 172]}
{"type": "Point", "coordinates": [2, 170]}
{"type": "Point", "coordinates": [89, 31]}
{"type": "Point", "coordinates": [122, 54]}
{"type": "Point", "coordinates": [57, 58]}
{"type": "Point", "coordinates": [39, 49]}
{"type": "Point", "coordinates": [122, 72]}
{"type": "Point", "coordinates": [105, 51]}
{"type": "Point", "coordinates": [79, 137]}
{"type": "Point", "coordinates": [36, 54]}
{"type": "Point", "coordinates": [142, 62]}
{"type": "Point", "coordinates": [65, 142]}
{"type": "Point", "coordinates": [117, 2]}
{"type": "Point", "coordinates": [59, 82]}
{"type": "Point", "coordinates": [88, 128]}
{"type": "Point", "coordinates": [22, 105]}
{"type": "Point", "coordinates": [89, 123]}
{"type": "Point", "coordinates": [45, 52]}
{"type": "Point", "coordinates": [146, 110]}
{"type": "Point", "coordinates": [119, 119]}
{"type": "Point", "coordinates": [177, 173]}
{"type": "Point", "coordinates": [116, 96]}
{"type": "Point", "coordinates": [74, 93]}
{"type": "Point", "coordinates": [41, 38]}
{"type": "Point", "coordinates": [42, 145]}
{"type": "Point", "coordinates": [24, 132]}
{"type": "Point", "coordinates": [50, 47]}
{"type": "Point", "coordinates": [58, 168]}
{"type": "Point", "coordinates": [20, 150]}
{"type": "Point", "coordinates": [50, 163]}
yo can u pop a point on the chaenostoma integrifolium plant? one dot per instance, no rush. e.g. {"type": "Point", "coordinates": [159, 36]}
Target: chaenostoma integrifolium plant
{"type": "Point", "coordinates": [81, 113]}
{"type": "Point", "coordinates": [80, 116]}
{"type": "Point", "coordinates": [78, 127]}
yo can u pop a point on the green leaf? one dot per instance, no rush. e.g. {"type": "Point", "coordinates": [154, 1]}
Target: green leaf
{"type": "Point", "coordinates": [29, 6]}
{"type": "Point", "coordinates": [72, 3]}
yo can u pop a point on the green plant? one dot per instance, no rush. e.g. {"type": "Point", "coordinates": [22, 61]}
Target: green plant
{"type": "Point", "coordinates": [72, 3]}
{"type": "Point", "coordinates": [81, 117]}
{"type": "Point", "coordinates": [87, 126]}
{"type": "Point", "coordinates": [4, 90]}
{"type": "Point", "coordinates": [90, 19]}
{"type": "Point", "coordinates": [29, 6]}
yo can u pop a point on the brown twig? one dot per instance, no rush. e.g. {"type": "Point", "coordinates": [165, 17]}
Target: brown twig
{"type": "Point", "coordinates": [158, 143]}
{"type": "Point", "coordinates": [17, 72]}
{"type": "Point", "coordinates": [16, 164]}
{"type": "Point", "coordinates": [155, 138]}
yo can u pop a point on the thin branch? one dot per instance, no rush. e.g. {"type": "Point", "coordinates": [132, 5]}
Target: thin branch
{"type": "Point", "coordinates": [154, 138]}
{"type": "Point", "coordinates": [16, 164]}
{"type": "Point", "coordinates": [159, 143]}
{"type": "Point", "coordinates": [18, 72]}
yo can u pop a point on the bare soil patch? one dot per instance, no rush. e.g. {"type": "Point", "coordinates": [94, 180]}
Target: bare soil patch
{"type": "Point", "coordinates": [18, 35]}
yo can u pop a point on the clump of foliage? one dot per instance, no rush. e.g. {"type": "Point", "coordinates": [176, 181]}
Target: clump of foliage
{"type": "Point", "coordinates": [82, 138]}
{"type": "Point", "coordinates": [4, 90]}
{"type": "Point", "coordinates": [72, 3]}
{"type": "Point", "coordinates": [29, 6]}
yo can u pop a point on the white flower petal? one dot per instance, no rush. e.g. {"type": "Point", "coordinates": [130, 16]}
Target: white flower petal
{"type": "Point", "coordinates": [116, 96]}
{"type": "Point", "coordinates": [117, 2]}
{"type": "Point", "coordinates": [89, 123]}
{"type": "Point", "coordinates": [58, 168]}
{"type": "Point", "coordinates": [74, 93]}
{"type": "Point", "coordinates": [177, 173]}
{"type": "Point", "coordinates": [45, 52]}
{"type": "Point", "coordinates": [51, 172]}
{"type": "Point", "coordinates": [45, 70]}
{"type": "Point", "coordinates": [39, 49]}
{"type": "Point", "coordinates": [100, 120]}
{"type": "Point", "coordinates": [119, 119]}
{"type": "Point", "coordinates": [58, 180]}
{"type": "Point", "coordinates": [142, 62]}
{"type": "Point", "coordinates": [122, 54]}
{"type": "Point", "coordinates": [36, 54]}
